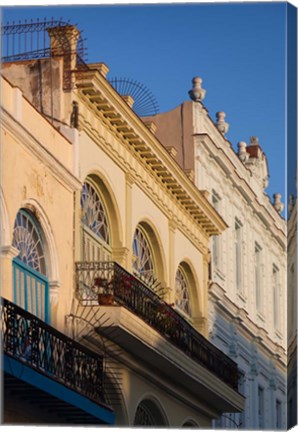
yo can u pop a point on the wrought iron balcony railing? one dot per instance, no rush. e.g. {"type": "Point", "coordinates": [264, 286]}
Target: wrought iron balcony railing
{"type": "Point", "coordinates": [108, 283]}
{"type": "Point", "coordinates": [43, 348]}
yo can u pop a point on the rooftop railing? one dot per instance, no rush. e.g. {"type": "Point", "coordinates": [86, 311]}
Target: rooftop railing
{"type": "Point", "coordinates": [107, 283]}
{"type": "Point", "coordinates": [41, 347]}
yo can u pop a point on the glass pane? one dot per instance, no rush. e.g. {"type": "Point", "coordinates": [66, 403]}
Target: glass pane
{"type": "Point", "coordinates": [142, 256]}
{"type": "Point", "coordinates": [93, 213]}
{"type": "Point", "coordinates": [182, 292]}
{"type": "Point", "coordinates": [26, 238]}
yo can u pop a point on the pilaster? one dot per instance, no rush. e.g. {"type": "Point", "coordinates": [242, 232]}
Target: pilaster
{"type": "Point", "coordinates": [8, 253]}
{"type": "Point", "coordinates": [54, 300]}
{"type": "Point", "coordinates": [172, 226]}
{"type": "Point", "coordinates": [129, 182]}
{"type": "Point", "coordinates": [203, 321]}
{"type": "Point", "coordinates": [120, 255]}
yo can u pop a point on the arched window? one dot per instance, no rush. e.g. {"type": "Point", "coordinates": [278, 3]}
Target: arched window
{"type": "Point", "coordinates": [31, 288]}
{"type": "Point", "coordinates": [149, 414]}
{"type": "Point", "coordinates": [96, 231]}
{"type": "Point", "coordinates": [182, 291]}
{"type": "Point", "coordinates": [143, 262]}
{"type": "Point", "coordinates": [144, 417]}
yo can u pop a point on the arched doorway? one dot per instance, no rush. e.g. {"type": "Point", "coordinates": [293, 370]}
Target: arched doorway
{"type": "Point", "coordinates": [31, 286]}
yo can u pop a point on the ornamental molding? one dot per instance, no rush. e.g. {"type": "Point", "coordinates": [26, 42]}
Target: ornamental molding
{"type": "Point", "coordinates": [154, 190]}
{"type": "Point", "coordinates": [54, 292]}
{"type": "Point", "coordinates": [26, 139]}
{"type": "Point", "coordinates": [104, 102]}
{"type": "Point", "coordinates": [9, 251]}
{"type": "Point", "coordinates": [271, 219]}
{"type": "Point", "coordinates": [246, 327]}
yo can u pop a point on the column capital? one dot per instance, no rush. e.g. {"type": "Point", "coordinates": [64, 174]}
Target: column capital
{"type": "Point", "coordinates": [120, 255]}
{"type": "Point", "coordinates": [54, 292]}
{"type": "Point", "coordinates": [172, 225]}
{"type": "Point", "coordinates": [9, 251]}
{"type": "Point", "coordinates": [129, 178]}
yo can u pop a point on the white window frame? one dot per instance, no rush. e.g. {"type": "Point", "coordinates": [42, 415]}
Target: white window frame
{"type": "Point", "coordinates": [261, 405]}
{"type": "Point", "coordinates": [238, 261]}
{"type": "Point", "coordinates": [278, 414]}
{"type": "Point", "coordinates": [276, 297]}
{"type": "Point", "coordinates": [216, 241]}
{"type": "Point", "coordinates": [258, 277]}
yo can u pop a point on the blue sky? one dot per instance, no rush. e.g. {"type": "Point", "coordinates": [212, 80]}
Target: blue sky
{"type": "Point", "coordinates": [238, 50]}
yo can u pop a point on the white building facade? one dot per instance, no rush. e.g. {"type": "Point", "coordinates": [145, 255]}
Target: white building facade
{"type": "Point", "coordinates": [247, 279]}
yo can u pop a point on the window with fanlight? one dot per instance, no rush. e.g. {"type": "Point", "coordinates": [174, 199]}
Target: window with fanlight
{"type": "Point", "coordinates": [149, 414]}
{"type": "Point", "coordinates": [31, 286]}
{"type": "Point", "coordinates": [143, 260]}
{"type": "Point", "coordinates": [182, 301]}
{"type": "Point", "coordinates": [96, 237]}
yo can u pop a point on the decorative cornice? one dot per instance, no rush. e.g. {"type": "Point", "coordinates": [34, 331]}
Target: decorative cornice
{"type": "Point", "coordinates": [129, 178]}
{"type": "Point", "coordinates": [100, 96]}
{"type": "Point", "coordinates": [162, 199]}
{"type": "Point", "coordinates": [271, 219]}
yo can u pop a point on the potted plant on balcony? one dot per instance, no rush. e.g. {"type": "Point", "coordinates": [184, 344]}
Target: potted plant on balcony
{"type": "Point", "coordinates": [105, 294]}
{"type": "Point", "coordinates": [168, 321]}
{"type": "Point", "coordinates": [126, 285]}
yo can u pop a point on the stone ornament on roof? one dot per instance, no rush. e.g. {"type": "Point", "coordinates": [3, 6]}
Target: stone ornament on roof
{"type": "Point", "coordinates": [242, 153]}
{"type": "Point", "coordinates": [291, 203]}
{"type": "Point", "coordinates": [277, 204]}
{"type": "Point", "coordinates": [197, 94]}
{"type": "Point", "coordinates": [254, 141]}
{"type": "Point", "coordinates": [221, 124]}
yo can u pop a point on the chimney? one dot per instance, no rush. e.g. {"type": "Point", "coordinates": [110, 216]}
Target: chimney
{"type": "Point", "coordinates": [63, 41]}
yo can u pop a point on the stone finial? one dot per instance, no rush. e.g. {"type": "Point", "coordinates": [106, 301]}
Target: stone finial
{"type": "Point", "coordinates": [197, 94]}
{"type": "Point", "coordinates": [277, 204]}
{"type": "Point", "coordinates": [221, 124]}
{"type": "Point", "coordinates": [242, 153]}
{"type": "Point", "coordinates": [291, 203]}
{"type": "Point", "coordinates": [254, 140]}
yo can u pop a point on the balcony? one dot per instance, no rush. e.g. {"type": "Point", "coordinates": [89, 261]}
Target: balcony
{"type": "Point", "coordinates": [46, 364]}
{"type": "Point", "coordinates": [107, 284]}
